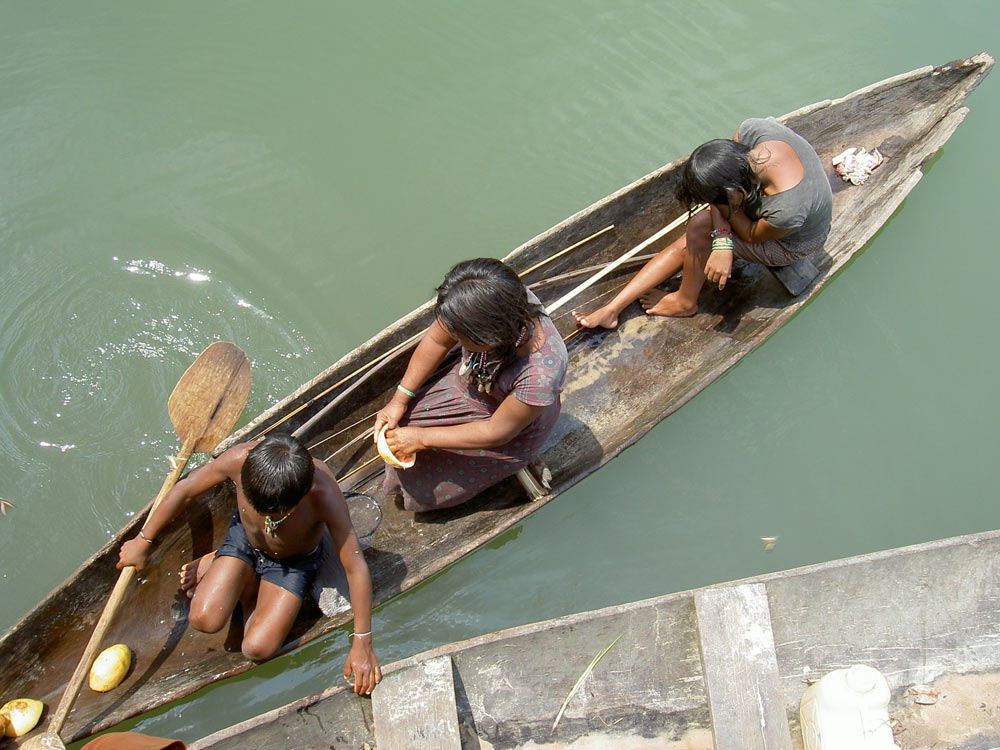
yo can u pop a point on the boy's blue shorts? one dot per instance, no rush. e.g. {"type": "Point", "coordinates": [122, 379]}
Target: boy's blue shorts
{"type": "Point", "coordinates": [294, 574]}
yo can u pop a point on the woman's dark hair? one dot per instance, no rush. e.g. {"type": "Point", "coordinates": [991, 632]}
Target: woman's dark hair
{"type": "Point", "coordinates": [715, 168]}
{"type": "Point", "coordinates": [276, 474]}
{"type": "Point", "coordinates": [485, 301]}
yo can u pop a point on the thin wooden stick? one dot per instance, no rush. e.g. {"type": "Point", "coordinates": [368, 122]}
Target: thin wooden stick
{"type": "Point", "coordinates": [614, 264]}
{"type": "Point", "coordinates": [367, 433]}
{"type": "Point", "coordinates": [366, 366]}
{"type": "Point", "coordinates": [559, 278]}
{"type": "Point", "coordinates": [340, 432]}
{"type": "Point", "coordinates": [299, 432]}
{"type": "Point", "coordinates": [355, 470]}
{"type": "Point", "coordinates": [563, 252]}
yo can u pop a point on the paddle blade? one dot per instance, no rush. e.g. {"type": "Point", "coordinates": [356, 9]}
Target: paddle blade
{"type": "Point", "coordinates": [211, 395]}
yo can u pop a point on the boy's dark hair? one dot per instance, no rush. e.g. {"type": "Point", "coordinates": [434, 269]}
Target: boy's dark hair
{"type": "Point", "coordinates": [276, 474]}
{"type": "Point", "coordinates": [713, 169]}
{"type": "Point", "coordinates": [485, 301]}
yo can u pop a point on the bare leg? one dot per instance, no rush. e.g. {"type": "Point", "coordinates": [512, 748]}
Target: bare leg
{"type": "Point", "coordinates": [227, 581]}
{"type": "Point", "coordinates": [273, 616]}
{"type": "Point", "coordinates": [665, 264]}
{"type": "Point", "coordinates": [684, 302]}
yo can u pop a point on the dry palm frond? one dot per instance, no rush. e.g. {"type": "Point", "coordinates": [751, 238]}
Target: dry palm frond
{"type": "Point", "coordinates": [583, 677]}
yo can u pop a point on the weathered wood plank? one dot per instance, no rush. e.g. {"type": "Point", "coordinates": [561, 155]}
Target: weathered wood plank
{"type": "Point", "coordinates": [797, 277]}
{"type": "Point", "coordinates": [415, 709]}
{"type": "Point", "coordinates": [741, 669]}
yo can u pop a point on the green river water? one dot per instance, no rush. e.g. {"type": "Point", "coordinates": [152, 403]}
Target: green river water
{"type": "Point", "coordinates": [294, 177]}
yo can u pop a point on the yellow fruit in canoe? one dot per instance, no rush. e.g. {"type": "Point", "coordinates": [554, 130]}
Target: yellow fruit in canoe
{"type": "Point", "coordinates": [20, 716]}
{"type": "Point", "coordinates": [387, 455]}
{"type": "Point", "coordinates": [110, 667]}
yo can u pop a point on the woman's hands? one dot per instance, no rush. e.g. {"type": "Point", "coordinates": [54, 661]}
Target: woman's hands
{"type": "Point", "coordinates": [405, 441]}
{"type": "Point", "coordinates": [426, 358]}
{"type": "Point", "coordinates": [720, 262]}
{"type": "Point", "coordinates": [719, 267]}
{"type": "Point", "coordinates": [389, 415]}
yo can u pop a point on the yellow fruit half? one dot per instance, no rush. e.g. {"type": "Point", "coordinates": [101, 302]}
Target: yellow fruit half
{"type": "Point", "coordinates": [20, 716]}
{"type": "Point", "coordinates": [110, 668]}
{"type": "Point", "coordinates": [387, 455]}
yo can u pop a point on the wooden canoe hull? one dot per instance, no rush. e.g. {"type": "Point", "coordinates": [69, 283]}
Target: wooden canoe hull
{"type": "Point", "coordinates": [621, 383]}
{"type": "Point", "coordinates": [924, 614]}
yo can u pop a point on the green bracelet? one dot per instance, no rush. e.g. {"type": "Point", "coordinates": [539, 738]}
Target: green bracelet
{"type": "Point", "coordinates": [407, 391]}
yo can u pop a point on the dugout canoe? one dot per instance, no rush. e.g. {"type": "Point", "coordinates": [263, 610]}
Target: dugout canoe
{"type": "Point", "coordinates": [621, 383]}
{"type": "Point", "coordinates": [684, 669]}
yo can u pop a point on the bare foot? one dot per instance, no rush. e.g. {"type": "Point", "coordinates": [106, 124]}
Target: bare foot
{"type": "Point", "coordinates": [191, 573]}
{"type": "Point", "coordinates": [602, 316]}
{"type": "Point", "coordinates": [670, 305]}
{"type": "Point", "coordinates": [650, 298]}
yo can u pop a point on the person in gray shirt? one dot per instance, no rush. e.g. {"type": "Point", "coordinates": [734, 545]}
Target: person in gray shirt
{"type": "Point", "coordinates": [769, 202]}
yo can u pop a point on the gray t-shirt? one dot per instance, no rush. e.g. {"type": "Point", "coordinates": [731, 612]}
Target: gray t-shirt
{"type": "Point", "coordinates": [807, 208]}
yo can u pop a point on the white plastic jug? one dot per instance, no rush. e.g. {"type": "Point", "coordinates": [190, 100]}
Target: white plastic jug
{"type": "Point", "coordinates": [847, 710]}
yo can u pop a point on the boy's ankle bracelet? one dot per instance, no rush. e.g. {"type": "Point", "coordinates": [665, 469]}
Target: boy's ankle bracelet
{"type": "Point", "coordinates": [359, 635]}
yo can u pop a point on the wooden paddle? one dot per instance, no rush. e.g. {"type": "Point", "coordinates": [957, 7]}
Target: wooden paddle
{"type": "Point", "coordinates": [204, 407]}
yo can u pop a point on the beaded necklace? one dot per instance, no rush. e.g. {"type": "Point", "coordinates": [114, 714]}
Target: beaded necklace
{"type": "Point", "coordinates": [271, 526]}
{"type": "Point", "coordinates": [482, 371]}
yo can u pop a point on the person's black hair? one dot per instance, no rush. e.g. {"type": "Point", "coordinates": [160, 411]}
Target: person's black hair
{"type": "Point", "coordinates": [276, 474]}
{"type": "Point", "coordinates": [485, 301]}
{"type": "Point", "coordinates": [713, 169]}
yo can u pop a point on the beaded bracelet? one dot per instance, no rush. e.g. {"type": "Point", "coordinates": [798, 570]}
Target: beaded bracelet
{"type": "Point", "coordinates": [720, 232]}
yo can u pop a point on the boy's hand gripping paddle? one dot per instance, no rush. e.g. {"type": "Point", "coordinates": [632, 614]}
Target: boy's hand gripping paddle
{"type": "Point", "coordinates": [203, 407]}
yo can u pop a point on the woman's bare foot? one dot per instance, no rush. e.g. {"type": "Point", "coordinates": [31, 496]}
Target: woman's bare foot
{"type": "Point", "coordinates": [650, 298]}
{"type": "Point", "coordinates": [602, 316]}
{"type": "Point", "coordinates": [191, 573]}
{"type": "Point", "coordinates": [671, 305]}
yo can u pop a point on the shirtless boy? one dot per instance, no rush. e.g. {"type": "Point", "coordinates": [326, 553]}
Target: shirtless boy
{"type": "Point", "coordinates": [271, 553]}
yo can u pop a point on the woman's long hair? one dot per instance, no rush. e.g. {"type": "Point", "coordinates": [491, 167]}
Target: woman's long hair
{"type": "Point", "coordinates": [716, 169]}
{"type": "Point", "coordinates": [484, 301]}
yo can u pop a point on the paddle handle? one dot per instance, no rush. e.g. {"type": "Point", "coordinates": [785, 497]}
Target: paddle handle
{"type": "Point", "coordinates": [114, 602]}
{"type": "Point", "coordinates": [614, 264]}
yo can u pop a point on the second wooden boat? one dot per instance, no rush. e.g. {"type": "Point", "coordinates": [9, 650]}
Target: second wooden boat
{"type": "Point", "coordinates": [722, 667]}
{"type": "Point", "coordinates": [621, 383]}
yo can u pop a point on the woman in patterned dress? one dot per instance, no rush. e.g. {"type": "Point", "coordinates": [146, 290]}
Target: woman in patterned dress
{"type": "Point", "coordinates": [491, 413]}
